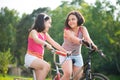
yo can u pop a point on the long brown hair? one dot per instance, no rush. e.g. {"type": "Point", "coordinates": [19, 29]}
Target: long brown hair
{"type": "Point", "coordinates": [39, 22]}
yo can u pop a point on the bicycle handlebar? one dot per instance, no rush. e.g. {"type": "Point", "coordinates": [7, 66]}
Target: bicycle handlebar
{"type": "Point", "coordinates": [58, 52]}
{"type": "Point", "coordinates": [90, 47]}
{"type": "Point", "coordinates": [61, 52]}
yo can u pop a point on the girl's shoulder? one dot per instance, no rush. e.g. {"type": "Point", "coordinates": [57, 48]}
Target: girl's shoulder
{"type": "Point", "coordinates": [32, 32]}
{"type": "Point", "coordinates": [66, 28]}
{"type": "Point", "coordinates": [82, 28]}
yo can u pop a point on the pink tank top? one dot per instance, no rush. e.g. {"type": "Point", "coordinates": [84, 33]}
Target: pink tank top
{"type": "Point", "coordinates": [34, 48]}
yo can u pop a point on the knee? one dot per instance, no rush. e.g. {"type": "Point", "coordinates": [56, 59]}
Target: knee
{"type": "Point", "coordinates": [68, 73]}
{"type": "Point", "coordinates": [47, 67]}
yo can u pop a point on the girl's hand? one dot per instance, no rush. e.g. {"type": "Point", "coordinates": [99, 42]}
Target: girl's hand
{"type": "Point", "coordinates": [86, 43]}
{"type": "Point", "coordinates": [94, 47]}
{"type": "Point", "coordinates": [69, 53]}
{"type": "Point", "coordinates": [48, 46]}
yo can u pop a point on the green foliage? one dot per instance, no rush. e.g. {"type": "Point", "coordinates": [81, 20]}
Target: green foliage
{"type": "Point", "coordinates": [8, 22]}
{"type": "Point", "coordinates": [7, 77]}
{"type": "Point", "coordinates": [106, 28]}
{"type": "Point", "coordinates": [5, 60]}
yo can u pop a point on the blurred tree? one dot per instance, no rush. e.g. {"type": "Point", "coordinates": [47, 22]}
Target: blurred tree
{"type": "Point", "coordinates": [101, 20]}
{"type": "Point", "coordinates": [8, 22]}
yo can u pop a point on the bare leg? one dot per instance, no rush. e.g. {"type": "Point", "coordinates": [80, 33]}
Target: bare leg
{"type": "Point", "coordinates": [78, 76]}
{"type": "Point", "coordinates": [41, 68]}
{"type": "Point", "coordinates": [67, 70]}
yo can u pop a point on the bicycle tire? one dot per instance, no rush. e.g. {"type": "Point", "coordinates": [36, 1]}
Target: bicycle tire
{"type": "Point", "coordinates": [97, 76]}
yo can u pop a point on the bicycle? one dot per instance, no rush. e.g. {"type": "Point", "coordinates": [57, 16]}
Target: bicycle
{"type": "Point", "coordinates": [88, 74]}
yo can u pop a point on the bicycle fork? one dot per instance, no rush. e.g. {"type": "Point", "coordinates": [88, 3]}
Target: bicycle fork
{"type": "Point", "coordinates": [57, 77]}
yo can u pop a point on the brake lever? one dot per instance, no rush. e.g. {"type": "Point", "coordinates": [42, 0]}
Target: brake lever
{"type": "Point", "coordinates": [102, 54]}
{"type": "Point", "coordinates": [69, 54]}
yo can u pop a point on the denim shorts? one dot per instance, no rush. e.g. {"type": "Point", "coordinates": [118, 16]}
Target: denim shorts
{"type": "Point", "coordinates": [78, 59]}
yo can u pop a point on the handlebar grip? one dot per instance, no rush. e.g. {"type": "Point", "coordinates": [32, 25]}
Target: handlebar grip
{"type": "Point", "coordinates": [86, 43]}
{"type": "Point", "coordinates": [61, 53]}
{"type": "Point", "coordinates": [89, 45]}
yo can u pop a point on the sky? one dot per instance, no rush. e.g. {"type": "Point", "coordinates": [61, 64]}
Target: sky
{"type": "Point", "coordinates": [27, 6]}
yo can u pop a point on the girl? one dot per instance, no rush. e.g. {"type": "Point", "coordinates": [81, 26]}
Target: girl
{"type": "Point", "coordinates": [74, 33]}
{"type": "Point", "coordinates": [36, 42]}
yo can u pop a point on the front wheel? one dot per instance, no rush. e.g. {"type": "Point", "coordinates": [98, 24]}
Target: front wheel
{"type": "Point", "coordinates": [97, 76]}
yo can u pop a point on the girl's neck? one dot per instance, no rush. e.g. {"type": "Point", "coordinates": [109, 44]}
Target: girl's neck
{"type": "Point", "coordinates": [75, 29]}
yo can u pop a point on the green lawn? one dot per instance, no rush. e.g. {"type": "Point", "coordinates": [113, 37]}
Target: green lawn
{"type": "Point", "coordinates": [111, 77]}
{"type": "Point", "coordinates": [15, 78]}
{"type": "Point", "coordinates": [114, 77]}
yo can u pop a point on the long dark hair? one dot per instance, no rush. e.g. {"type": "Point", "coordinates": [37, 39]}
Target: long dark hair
{"type": "Point", "coordinates": [39, 22]}
{"type": "Point", "coordinates": [79, 16]}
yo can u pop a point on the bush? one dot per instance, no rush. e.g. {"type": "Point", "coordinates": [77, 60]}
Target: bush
{"type": "Point", "coordinates": [5, 59]}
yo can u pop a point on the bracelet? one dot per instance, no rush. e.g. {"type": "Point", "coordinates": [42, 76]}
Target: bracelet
{"type": "Point", "coordinates": [45, 45]}
{"type": "Point", "coordinates": [81, 41]}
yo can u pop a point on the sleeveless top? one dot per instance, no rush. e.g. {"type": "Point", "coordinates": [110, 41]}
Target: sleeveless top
{"type": "Point", "coordinates": [34, 48]}
{"type": "Point", "coordinates": [70, 46]}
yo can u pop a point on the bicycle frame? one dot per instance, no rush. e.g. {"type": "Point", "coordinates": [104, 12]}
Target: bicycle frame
{"type": "Point", "coordinates": [58, 75]}
{"type": "Point", "coordinates": [87, 66]}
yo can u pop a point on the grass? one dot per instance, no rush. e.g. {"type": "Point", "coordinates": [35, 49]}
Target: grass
{"type": "Point", "coordinates": [7, 77]}
{"type": "Point", "coordinates": [111, 77]}
{"type": "Point", "coordinates": [114, 77]}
